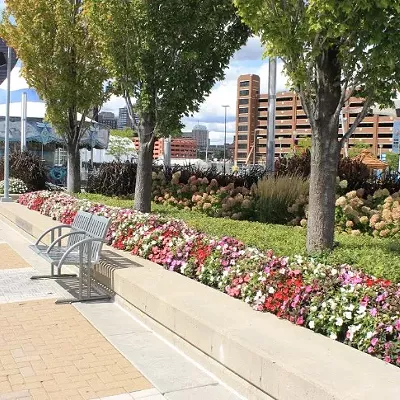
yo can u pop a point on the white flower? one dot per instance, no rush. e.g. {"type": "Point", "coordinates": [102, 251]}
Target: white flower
{"type": "Point", "coordinates": [333, 336]}
{"type": "Point", "coordinates": [311, 324]}
{"type": "Point", "coordinates": [271, 290]}
{"type": "Point", "coordinates": [369, 335]}
{"type": "Point", "coordinates": [334, 271]}
{"type": "Point", "coordinates": [347, 315]}
{"type": "Point", "coordinates": [351, 307]}
{"type": "Point", "coordinates": [323, 305]}
{"type": "Point", "coordinates": [361, 309]}
{"type": "Point", "coordinates": [314, 308]}
{"type": "Point", "coordinates": [339, 321]}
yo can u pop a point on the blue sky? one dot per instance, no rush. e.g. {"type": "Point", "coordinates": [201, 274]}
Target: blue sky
{"type": "Point", "coordinates": [247, 60]}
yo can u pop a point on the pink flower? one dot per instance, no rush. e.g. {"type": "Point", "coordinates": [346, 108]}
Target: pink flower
{"type": "Point", "coordinates": [373, 312]}
{"type": "Point", "coordinates": [374, 341]}
{"type": "Point", "coordinates": [300, 320]}
{"type": "Point", "coordinates": [388, 359]}
{"type": "Point", "coordinates": [370, 349]}
{"type": "Point", "coordinates": [397, 325]}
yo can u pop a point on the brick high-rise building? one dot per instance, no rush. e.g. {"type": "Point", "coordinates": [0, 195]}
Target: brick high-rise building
{"type": "Point", "coordinates": [180, 148]}
{"type": "Point", "coordinates": [292, 124]}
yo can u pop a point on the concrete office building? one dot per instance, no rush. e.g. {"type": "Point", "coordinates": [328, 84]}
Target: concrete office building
{"type": "Point", "coordinates": [108, 118]}
{"type": "Point", "coordinates": [292, 124]}
{"type": "Point", "coordinates": [200, 134]}
{"type": "Point", "coordinates": [123, 119]}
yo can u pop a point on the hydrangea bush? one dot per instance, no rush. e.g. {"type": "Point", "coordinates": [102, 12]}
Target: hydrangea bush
{"type": "Point", "coordinates": [205, 196]}
{"type": "Point", "coordinates": [16, 186]}
{"type": "Point", "coordinates": [337, 301]}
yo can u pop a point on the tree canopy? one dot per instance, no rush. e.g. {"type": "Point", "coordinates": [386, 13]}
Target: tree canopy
{"type": "Point", "coordinates": [363, 35]}
{"type": "Point", "coordinates": [331, 50]}
{"type": "Point", "coordinates": [60, 59]}
{"type": "Point", "coordinates": [120, 146]}
{"type": "Point", "coordinates": [165, 56]}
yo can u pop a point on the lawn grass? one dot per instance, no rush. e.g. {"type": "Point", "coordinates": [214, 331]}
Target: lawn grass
{"type": "Point", "coordinates": [380, 257]}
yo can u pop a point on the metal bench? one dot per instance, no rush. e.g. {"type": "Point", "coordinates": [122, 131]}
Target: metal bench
{"type": "Point", "coordinates": [77, 231]}
{"type": "Point", "coordinates": [84, 253]}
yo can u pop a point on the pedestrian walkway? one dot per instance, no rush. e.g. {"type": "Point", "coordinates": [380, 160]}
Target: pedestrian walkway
{"type": "Point", "coordinates": [82, 351]}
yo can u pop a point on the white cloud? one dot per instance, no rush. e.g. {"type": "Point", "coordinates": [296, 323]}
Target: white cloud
{"type": "Point", "coordinates": [16, 80]}
{"type": "Point", "coordinates": [253, 50]}
{"type": "Point", "coordinates": [114, 104]}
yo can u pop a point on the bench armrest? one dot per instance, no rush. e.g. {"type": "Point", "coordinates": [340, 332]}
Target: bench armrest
{"type": "Point", "coordinates": [80, 245]}
{"type": "Point", "coordinates": [51, 230]}
{"type": "Point", "coordinates": [58, 240]}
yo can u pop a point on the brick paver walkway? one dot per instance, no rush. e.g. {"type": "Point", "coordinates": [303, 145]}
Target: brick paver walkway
{"type": "Point", "coordinates": [48, 351]}
{"type": "Point", "coordinates": [10, 259]}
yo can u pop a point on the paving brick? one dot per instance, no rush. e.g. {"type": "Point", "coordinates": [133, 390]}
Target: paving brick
{"type": "Point", "coordinates": [46, 357]}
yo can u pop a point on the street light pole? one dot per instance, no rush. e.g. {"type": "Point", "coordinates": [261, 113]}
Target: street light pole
{"type": "Point", "coordinates": [225, 106]}
{"type": "Point", "coordinates": [23, 120]}
{"type": "Point", "coordinates": [271, 114]}
{"type": "Point", "coordinates": [6, 198]}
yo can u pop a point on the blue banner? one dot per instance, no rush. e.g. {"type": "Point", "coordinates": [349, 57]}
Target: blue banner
{"type": "Point", "coordinates": [396, 137]}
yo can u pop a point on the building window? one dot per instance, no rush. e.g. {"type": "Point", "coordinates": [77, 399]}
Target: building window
{"type": "Point", "coordinates": [60, 157]}
{"type": "Point", "coordinates": [244, 93]}
{"type": "Point", "coordinates": [242, 137]}
{"type": "Point", "coordinates": [243, 101]}
{"type": "Point", "coordinates": [242, 155]}
{"type": "Point", "coordinates": [243, 119]}
{"type": "Point", "coordinates": [244, 83]}
{"type": "Point", "coordinates": [242, 146]}
{"type": "Point", "coordinates": [243, 128]}
{"type": "Point", "coordinates": [244, 110]}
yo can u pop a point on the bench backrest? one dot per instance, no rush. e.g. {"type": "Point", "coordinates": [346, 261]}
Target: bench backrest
{"type": "Point", "coordinates": [97, 229]}
{"type": "Point", "coordinates": [81, 222]}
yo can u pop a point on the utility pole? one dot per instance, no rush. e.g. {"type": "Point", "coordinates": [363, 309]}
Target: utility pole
{"type": "Point", "coordinates": [23, 121]}
{"type": "Point", "coordinates": [271, 114]}
{"type": "Point", "coordinates": [225, 106]}
{"type": "Point", "coordinates": [6, 198]}
{"type": "Point", "coordinates": [167, 152]}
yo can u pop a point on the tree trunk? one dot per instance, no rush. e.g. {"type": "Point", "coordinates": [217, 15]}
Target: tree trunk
{"type": "Point", "coordinates": [325, 151]}
{"type": "Point", "coordinates": [322, 197]}
{"type": "Point", "coordinates": [145, 167]}
{"type": "Point", "coordinates": [74, 169]}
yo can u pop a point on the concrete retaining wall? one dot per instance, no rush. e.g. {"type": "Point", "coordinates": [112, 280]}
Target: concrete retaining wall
{"type": "Point", "coordinates": [271, 358]}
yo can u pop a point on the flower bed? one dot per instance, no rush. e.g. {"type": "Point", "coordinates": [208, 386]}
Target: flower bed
{"type": "Point", "coordinates": [339, 302]}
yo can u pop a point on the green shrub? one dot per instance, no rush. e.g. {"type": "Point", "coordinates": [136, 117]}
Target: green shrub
{"type": "Point", "coordinates": [113, 179]}
{"type": "Point", "coordinates": [29, 168]}
{"type": "Point", "coordinates": [276, 194]}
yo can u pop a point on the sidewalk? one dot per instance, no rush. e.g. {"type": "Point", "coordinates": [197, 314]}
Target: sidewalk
{"type": "Point", "coordinates": [82, 351]}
